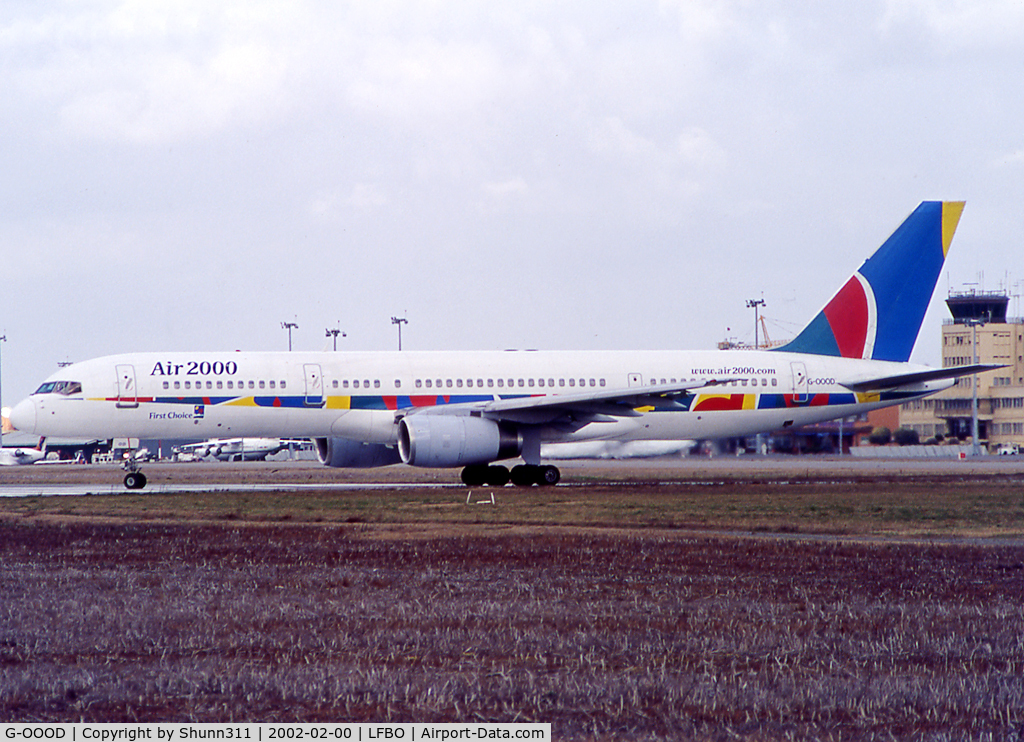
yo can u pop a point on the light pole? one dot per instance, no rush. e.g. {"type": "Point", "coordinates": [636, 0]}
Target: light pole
{"type": "Point", "coordinates": [289, 326]}
{"type": "Point", "coordinates": [334, 333]}
{"type": "Point", "coordinates": [399, 321]}
{"type": "Point", "coordinates": [755, 303]}
{"type": "Point", "coordinates": [975, 443]}
{"type": "Point", "coordinates": [3, 339]}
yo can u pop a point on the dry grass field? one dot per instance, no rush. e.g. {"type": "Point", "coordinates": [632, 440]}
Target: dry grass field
{"type": "Point", "coordinates": [629, 611]}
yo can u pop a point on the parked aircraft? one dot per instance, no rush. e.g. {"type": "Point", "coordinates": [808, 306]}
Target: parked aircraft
{"type": "Point", "coordinates": [239, 449]}
{"type": "Point", "coordinates": [18, 455]}
{"type": "Point", "coordinates": [615, 449]}
{"type": "Point", "coordinates": [471, 409]}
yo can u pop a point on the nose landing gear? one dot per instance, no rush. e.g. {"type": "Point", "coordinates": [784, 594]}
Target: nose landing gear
{"type": "Point", "coordinates": [134, 479]}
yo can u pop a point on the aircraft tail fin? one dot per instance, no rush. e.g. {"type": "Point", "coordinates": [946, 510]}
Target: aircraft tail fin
{"type": "Point", "coordinates": [877, 314]}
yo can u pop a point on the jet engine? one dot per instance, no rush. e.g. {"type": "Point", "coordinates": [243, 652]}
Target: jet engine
{"type": "Point", "coordinates": [456, 440]}
{"type": "Point", "coordinates": [345, 454]}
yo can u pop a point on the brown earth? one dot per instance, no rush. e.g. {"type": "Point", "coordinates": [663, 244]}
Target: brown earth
{"type": "Point", "coordinates": [642, 608]}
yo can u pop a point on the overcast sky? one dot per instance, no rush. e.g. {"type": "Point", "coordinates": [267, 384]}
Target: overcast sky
{"type": "Point", "coordinates": [187, 175]}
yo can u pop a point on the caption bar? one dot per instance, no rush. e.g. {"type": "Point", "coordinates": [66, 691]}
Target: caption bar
{"type": "Point", "coordinates": [80, 732]}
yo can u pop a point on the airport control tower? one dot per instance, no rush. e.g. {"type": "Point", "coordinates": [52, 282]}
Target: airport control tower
{"type": "Point", "coordinates": [978, 330]}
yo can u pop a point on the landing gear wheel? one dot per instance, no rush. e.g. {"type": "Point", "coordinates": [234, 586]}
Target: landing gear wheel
{"type": "Point", "coordinates": [548, 476]}
{"type": "Point", "coordinates": [497, 476]}
{"type": "Point", "coordinates": [476, 475]}
{"type": "Point", "coordinates": [523, 475]}
{"type": "Point", "coordinates": [134, 480]}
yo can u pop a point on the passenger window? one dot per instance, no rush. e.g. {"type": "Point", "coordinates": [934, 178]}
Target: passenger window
{"type": "Point", "coordinates": [551, 382]}
{"type": "Point", "coordinates": [188, 384]}
{"type": "Point", "coordinates": [419, 383]}
{"type": "Point", "coordinates": [220, 384]}
{"type": "Point", "coordinates": [282, 384]}
{"type": "Point", "coordinates": [398, 383]}
{"type": "Point", "coordinates": [528, 383]}
{"type": "Point", "coordinates": [469, 383]}
{"type": "Point", "coordinates": [561, 382]}
{"type": "Point", "coordinates": [480, 382]}
{"type": "Point", "coordinates": [540, 382]}
{"type": "Point", "coordinates": [602, 382]}
{"type": "Point", "coordinates": [272, 384]}
{"type": "Point", "coordinates": [458, 383]}
{"type": "Point", "coordinates": [376, 383]}
{"type": "Point", "coordinates": [521, 383]}
{"type": "Point", "coordinates": [252, 384]}
{"type": "Point", "coordinates": [775, 382]}
{"type": "Point", "coordinates": [167, 385]}
{"type": "Point", "coordinates": [429, 383]}
{"type": "Point", "coordinates": [501, 382]}
{"type": "Point", "coordinates": [355, 384]}
{"type": "Point", "coordinates": [572, 382]}
{"type": "Point", "coordinates": [366, 383]}
{"type": "Point", "coordinates": [263, 384]}
{"type": "Point", "coordinates": [448, 383]}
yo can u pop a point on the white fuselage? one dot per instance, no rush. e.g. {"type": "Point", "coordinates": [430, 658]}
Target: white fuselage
{"type": "Point", "coordinates": [361, 395]}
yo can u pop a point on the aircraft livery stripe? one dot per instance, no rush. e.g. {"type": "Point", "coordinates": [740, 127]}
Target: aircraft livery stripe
{"type": "Point", "coordinates": [697, 403]}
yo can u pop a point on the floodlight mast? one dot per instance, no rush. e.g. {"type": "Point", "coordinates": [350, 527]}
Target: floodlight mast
{"type": "Point", "coordinates": [755, 303]}
{"type": "Point", "coordinates": [3, 339]}
{"type": "Point", "coordinates": [334, 333]}
{"type": "Point", "coordinates": [399, 321]}
{"type": "Point", "coordinates": [289, 326]}
{"type": "Point", "coordinates": [975, 443]}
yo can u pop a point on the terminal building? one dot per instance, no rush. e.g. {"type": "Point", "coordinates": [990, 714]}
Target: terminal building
{"type": "Point", "coordinates": [978, 332]}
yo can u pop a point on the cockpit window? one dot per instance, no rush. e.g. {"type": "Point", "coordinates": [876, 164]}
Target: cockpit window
{"type": "Point", "coordinates": [60, 387]}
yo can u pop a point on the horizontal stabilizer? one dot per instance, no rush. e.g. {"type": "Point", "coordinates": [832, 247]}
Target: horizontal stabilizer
{"type": "Point", "coordinates": [919, 377]}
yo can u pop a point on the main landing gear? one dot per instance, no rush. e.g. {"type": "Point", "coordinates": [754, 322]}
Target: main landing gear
{"type": "Point", "coordinates": [134, 479]}
{"type": "Point", "coordinates": [523, 475]}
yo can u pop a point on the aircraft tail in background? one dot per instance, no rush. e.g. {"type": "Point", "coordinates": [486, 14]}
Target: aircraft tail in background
{"type": "Point", "coordinates": [877, 314]}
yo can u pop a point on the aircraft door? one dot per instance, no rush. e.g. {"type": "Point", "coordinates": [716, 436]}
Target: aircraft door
{"type": "Point", "coordinates": [127, 394]}
{"type": "Point", "coordinates": [314, 385]}
{"type": "Point", "coordinates": [636, 380]}
{"type": "Point", "coordinates": [801, 385]}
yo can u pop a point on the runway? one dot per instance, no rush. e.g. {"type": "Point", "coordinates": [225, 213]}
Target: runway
{"type": "Point", "coordinates": [81, 490]}
{"type": "Point", "coordinates": [307, 476]}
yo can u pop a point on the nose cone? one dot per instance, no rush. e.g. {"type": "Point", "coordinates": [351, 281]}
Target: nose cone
{"type": "Point", "coordinates": [23, 416]}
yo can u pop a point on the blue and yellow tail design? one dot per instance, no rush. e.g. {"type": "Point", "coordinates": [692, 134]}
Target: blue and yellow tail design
{"type": "Point", "coordinates": [877, 314]}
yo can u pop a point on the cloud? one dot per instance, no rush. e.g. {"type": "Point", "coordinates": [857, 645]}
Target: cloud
{"type": "Point", "coordinates": [424, 78]}
{"type": "Point", "coordinates": [959, 23]}
{"type": "Point", "coordinates": [154, 71]}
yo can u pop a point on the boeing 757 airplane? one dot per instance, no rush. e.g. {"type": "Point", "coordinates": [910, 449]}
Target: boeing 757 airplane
{"type": "Point", "coordinates": [472, 409]}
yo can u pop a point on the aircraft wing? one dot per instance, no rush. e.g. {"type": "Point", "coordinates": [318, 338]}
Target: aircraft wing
{"type": "Point", "coordinates": [591, 406]}
{"type": "Point", "coordinates": [884, 383]}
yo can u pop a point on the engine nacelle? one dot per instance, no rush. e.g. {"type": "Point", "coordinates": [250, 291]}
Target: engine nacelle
{"type": "Point", "coordinates": [456, 440]}
{"type": "Point", "coordinates": [342, 453]}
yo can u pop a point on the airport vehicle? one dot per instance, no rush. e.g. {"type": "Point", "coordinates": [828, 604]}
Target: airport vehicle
{"type": "Point", "coordinates": [472, 409]}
